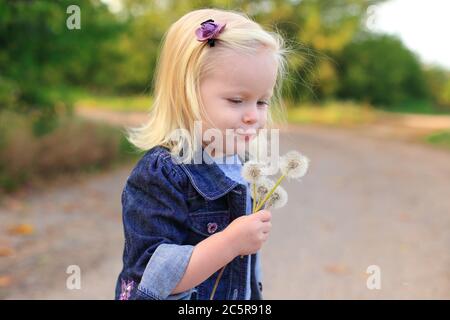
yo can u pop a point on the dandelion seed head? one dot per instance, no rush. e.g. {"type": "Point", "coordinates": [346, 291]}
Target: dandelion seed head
{"type": "Point", "coordinates": [252, 171]}
{"type": "Point", "coordinates": [263, 187]}
{"type": "Point", "coordinates": [278, 199]}
{"type": "Point", "coordinates": [294, 165]}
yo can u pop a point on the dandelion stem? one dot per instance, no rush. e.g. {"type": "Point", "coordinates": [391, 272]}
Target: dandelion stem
{"type": "Point", "coordinates": [270, 193]}
{"type": "Point", "coordinates": [254, 202]}
{"type": "Point", "coordinates": [254, 197]}
{"type": "Point", "coordinates": [216, 284]}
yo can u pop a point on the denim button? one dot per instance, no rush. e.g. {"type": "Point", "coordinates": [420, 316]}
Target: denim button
{"type": "Point", "coordinates": [205, 224]}
{"type": "Point", "coordinates": [212, 227]}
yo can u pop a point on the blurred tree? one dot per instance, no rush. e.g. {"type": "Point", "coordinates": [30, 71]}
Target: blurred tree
{"type": "Point", "coordinates": [116, 51]}
{"type": "Point", "coordinates": [317, 31]}
{"type": "Point", "coordinates": [38, 53]}
{"type": "Point", "coordinates": [379, 69]}
{"type": "Point", "coordinates": [438, 81]}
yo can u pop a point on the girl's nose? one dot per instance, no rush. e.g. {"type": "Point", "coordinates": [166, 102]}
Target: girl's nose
{"type": "Point", "coordinates": [251, 115]}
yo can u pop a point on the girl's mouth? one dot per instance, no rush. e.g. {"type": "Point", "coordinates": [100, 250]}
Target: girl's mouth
{"type": "Point", "coordinates": [246, 137]}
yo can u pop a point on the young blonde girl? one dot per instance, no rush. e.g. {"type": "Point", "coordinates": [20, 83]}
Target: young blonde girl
{"type": "Point", "coordinates": [186, 223]}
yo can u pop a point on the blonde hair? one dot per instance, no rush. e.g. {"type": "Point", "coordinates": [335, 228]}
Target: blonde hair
{"type": "Point", "coordinates": [184, 60]}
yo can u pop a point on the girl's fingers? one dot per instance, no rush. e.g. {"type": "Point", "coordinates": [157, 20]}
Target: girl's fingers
{"type": "Point", "coordinates": [264, 215]}
{"type": "Point", "coordinates": [266, 227]}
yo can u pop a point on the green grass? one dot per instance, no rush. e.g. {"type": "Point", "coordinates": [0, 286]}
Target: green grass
{"type": "Point", "coordinates": [332, 113]}
{"type": "Point", "coordinates": [82, 98]}
{"type": "Point", "coordinates": [416, 106]}
{"type": "Point", "coordinates": [122, 104]}
{"type": "Point", "coordinates": [132, 103]}
{"type": "Point", "coordinates": [439, 139]}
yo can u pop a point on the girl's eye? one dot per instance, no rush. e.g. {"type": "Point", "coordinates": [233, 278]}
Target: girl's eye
{"type": "Point", "coordinates": [236, 101]}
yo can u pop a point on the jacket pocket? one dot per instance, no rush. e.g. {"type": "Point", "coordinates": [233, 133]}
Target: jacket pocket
{"type": "Point", "coordinates": [199, 205]}
{"type": "Point", "coordinates": [208, 223]}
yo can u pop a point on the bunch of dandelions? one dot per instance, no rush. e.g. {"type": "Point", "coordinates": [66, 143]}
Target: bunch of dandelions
{"type": "Point", "coordinates": [293, 165]}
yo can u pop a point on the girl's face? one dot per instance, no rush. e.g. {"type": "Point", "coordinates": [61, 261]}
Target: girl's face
{"type": "Point", "coordinates": [236, 95]}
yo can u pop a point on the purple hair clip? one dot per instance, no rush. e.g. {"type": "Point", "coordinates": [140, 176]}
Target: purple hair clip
{"type": "Point", "coordinates": [208, 31]}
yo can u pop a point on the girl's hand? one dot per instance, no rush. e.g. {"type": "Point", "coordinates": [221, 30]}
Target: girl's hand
{"type": "Point", "coordinates": [247, 233]}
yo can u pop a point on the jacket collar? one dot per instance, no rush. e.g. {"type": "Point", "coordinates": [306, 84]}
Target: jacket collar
{"type": "Point", "coordinates": [208, 179]}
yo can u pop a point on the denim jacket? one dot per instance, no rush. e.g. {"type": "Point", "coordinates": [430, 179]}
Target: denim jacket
{"type": "Point", "coordinates": [167, 208]}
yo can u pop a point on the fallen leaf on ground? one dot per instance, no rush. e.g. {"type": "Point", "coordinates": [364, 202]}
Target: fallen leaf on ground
{"type": "Point", "coordinates": [21, 229]}
{"type": "Point", "coordinates": [404, 217]}
{"type": "Point", "coordinates": [6, 251]}
{"type": "Point", "coordinates": [5, 281]}
{"type": "Point", "coordinates": [337, 269]}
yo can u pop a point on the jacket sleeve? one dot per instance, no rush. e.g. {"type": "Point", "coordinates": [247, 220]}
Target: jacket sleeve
{"type": "Point", "coordinates": [154, 218]}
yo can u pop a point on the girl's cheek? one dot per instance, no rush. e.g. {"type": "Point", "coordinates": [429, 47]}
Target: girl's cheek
{"type": "Point", "coordinates": [263, 117]}
{"type": "Point", "coordinates": [233, 117]}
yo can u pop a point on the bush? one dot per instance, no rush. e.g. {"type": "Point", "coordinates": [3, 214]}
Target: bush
{"type": "Point", "coordinates": [74, 145]}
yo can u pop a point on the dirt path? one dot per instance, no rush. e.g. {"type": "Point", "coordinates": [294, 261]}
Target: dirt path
{"type": "Point", "coordinates": [76, 224]}
{"type": "Point", "coordinates": [367, 200]}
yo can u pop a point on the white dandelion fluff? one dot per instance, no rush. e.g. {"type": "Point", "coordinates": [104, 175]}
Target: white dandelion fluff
{"type": "Point", "coordinates": [293, 164]}
{"type": "Point", "coordinates": [263, 187]}
{"type": "Point", "coordinates": [252, 171]}
{"type": "Point", "coordinates": [278, 199]}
